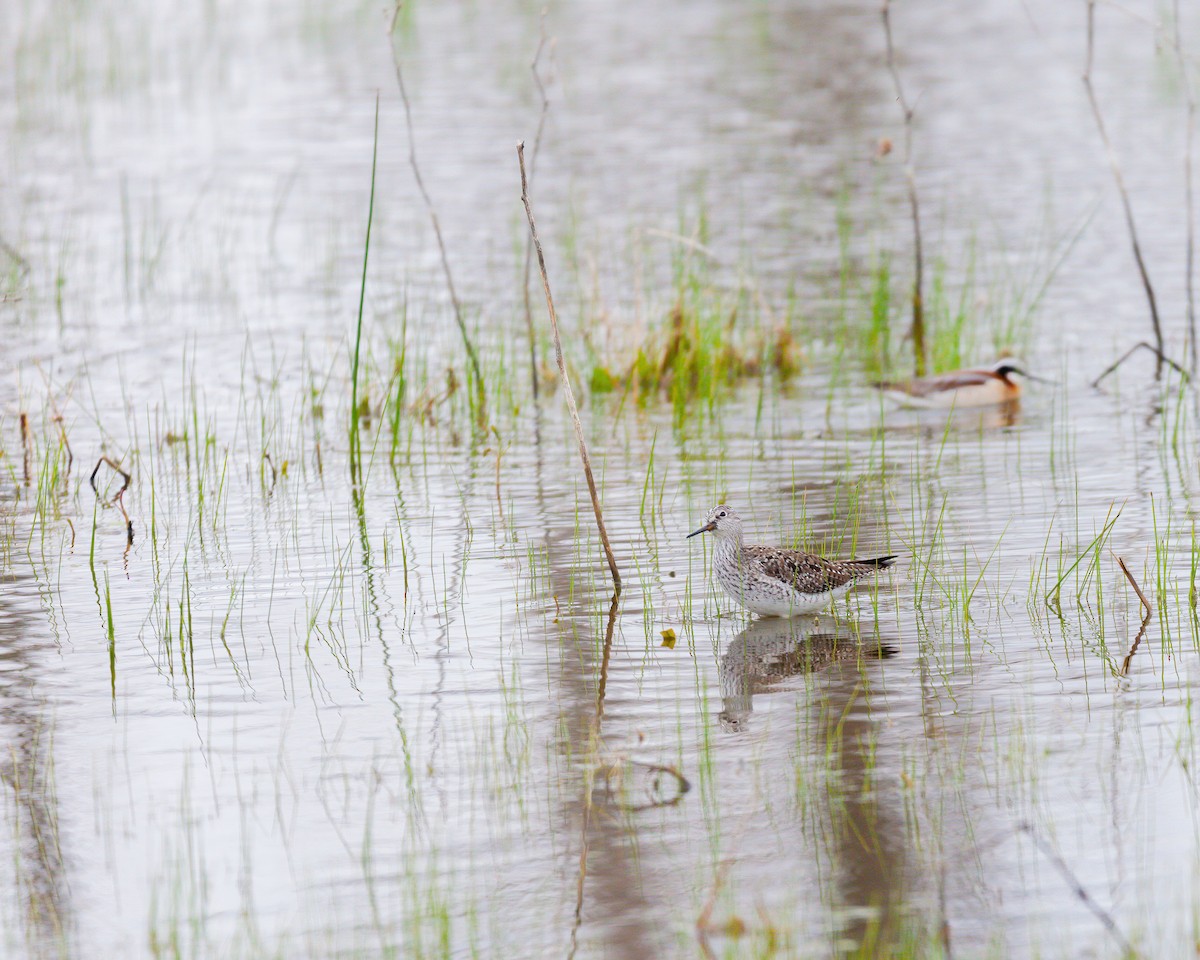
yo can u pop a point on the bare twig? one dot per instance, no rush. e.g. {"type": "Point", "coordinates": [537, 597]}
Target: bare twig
{"type": "Point", "coordinates": [111, 463]}
{"type": "Point", "coordinates": [918, 299]}
{"type": "Point", "coordinates": [26, 444]}
{"type": "Point", "coordinates": [704, 924]}
{"type": "Point", "coordinates": [1133, 647]}
{"type": "Point", "coordinates": [1136, 589]}
{"type": "Point", "coordinates": [1120, 181]}
{"type": "Point", "coordinates": [1189, 204]}
{"type": "Point", "coordinates": [1076, 887]}
{"type": "Point", "coordinates": [1149, 612]}
{"type": "Point", "coordinates": [62, 433]}
{"type": "Point", "coordinates": [655, 793]}
{"type": "Point", "coordinates": [593, 738]}
{"type": "Point", "coordinates": [537, 142]}
{"type": "Point", "coordinates": [562, 369]}
{"type": "Point", "coordinates": [119, 498]}
{"type": "Point", "coordinates": [274, 472]}
{"type": "Point", "coordinates": [499, 454]}
{"type": "Point", "coordinates": [1143, 345]}
{"type": "Point", "coordinates": [944, 923]}
{"type": "Point", "coordinates": [480, 397]}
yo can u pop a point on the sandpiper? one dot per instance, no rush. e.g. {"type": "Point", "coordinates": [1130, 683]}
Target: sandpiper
{"type": "Point", "coordinates": [978, 387]}
{"type": "Point", "coordinates": [776, 582]}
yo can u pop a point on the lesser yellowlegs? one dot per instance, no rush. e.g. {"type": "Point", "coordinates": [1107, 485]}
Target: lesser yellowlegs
{"type": "Point", "coordinates": [774, 581]}
{"type": "Point", "coordinates": [980, 387]}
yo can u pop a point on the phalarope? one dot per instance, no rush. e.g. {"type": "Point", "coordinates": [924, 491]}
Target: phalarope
{"type": "Point", "coordinates": [976, 387]}
{"type": "Point", "coordinates": [776, 582]}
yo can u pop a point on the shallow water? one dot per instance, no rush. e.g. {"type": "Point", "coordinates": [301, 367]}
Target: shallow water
{"type": "Point", "coordinates": [295, 718]}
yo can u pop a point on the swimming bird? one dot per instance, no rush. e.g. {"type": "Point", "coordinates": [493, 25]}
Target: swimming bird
{"type": "Point", "coordinates": [774, 581]}
{"type": "Point", "coordinates": [976, 387]}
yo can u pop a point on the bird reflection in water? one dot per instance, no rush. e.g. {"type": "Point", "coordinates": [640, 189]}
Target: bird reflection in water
{"type": "Point", "coordinates": [769, 651]}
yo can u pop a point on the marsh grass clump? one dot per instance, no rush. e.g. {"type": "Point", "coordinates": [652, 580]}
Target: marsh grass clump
{"type": "Point", "coordinates": [714, 327]}
{"type": "Point", "coordinates": [696, 353]}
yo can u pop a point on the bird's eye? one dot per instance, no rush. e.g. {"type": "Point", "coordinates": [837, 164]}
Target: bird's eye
{"type": "Point", "coordinates": [722, 514]}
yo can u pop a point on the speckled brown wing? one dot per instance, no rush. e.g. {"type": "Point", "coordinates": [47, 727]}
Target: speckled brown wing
{"type": "Point", "coordinates": [812, 574]}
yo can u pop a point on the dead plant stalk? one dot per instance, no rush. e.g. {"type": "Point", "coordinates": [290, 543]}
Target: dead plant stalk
{"type": "Point", "coordinates": [480, 399]}
{"type": "Point", "coordinates": [918, 299]}
{"type": "Point", "coordinates": [1188, 194]}
{"type": "Point", "coordinates": [1136, 589]}
{"type": "Point", "coordinates": [566, 380]}
{"type": "Point", "coordinates": [537, 142]}
{"type": "Point", "coordinates": [1115, 166]}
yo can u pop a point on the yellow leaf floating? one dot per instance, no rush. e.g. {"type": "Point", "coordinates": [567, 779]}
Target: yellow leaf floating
{"type": "Point", "coordinates": [668, 636]}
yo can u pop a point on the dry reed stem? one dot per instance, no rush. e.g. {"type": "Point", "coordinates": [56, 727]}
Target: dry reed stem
{"type": "Point", "coordinates": [274, 472]}
{"type": "Point", "coordinates": [656, 797]}
{"type": "Point", "coordinates": [499, 454]}
{"type": "Point", "coordinates": [1145, 620]}
{"type": "Point", "coordinates": [918, 299]}
{"type": "Point", "coordinates": [944, 921]}
{"type": "Point", "coordinates": [1120, 181]}
{"type": "Point", "coordinates": [1188, 195]}
{"type": "Point", "coordinates": [566, 380]}
{"type": "Point", "coordinates": [1136, 589]}
{"type": "Point", "coordinates": [704, 924]}
{"type": "Point", "coordinates": [472, 357]}
{"type": "Point", "coordinates": [594, 733]}
{"type": "Point", "coordinates": [26, 443]}
{"type": "Point", "coordinates": [1077, 887]}
{"type": "Point", "coordinates": [1133, 648]}
{"type": "Point", "coordinates": [62, 433]}
{"type": "Point", "coordinates": [119, 498]}
{"type": "Point", "coordinates": [1142, 345]}
{"type": "Point", "coordinates": [537, 142]}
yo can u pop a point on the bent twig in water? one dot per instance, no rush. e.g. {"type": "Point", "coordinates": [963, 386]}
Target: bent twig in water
{"type": "Point", "coordinates": [562, 369]}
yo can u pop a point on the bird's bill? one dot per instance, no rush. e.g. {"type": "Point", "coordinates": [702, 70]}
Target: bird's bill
{"type": "Point", "coordinates": [711, 525]}
{"type": "Point", "coordinates": [1018, 366]}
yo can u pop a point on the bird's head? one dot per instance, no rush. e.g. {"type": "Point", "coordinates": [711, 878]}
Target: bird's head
{"type": "Point", "coordinates": [721, 520]}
